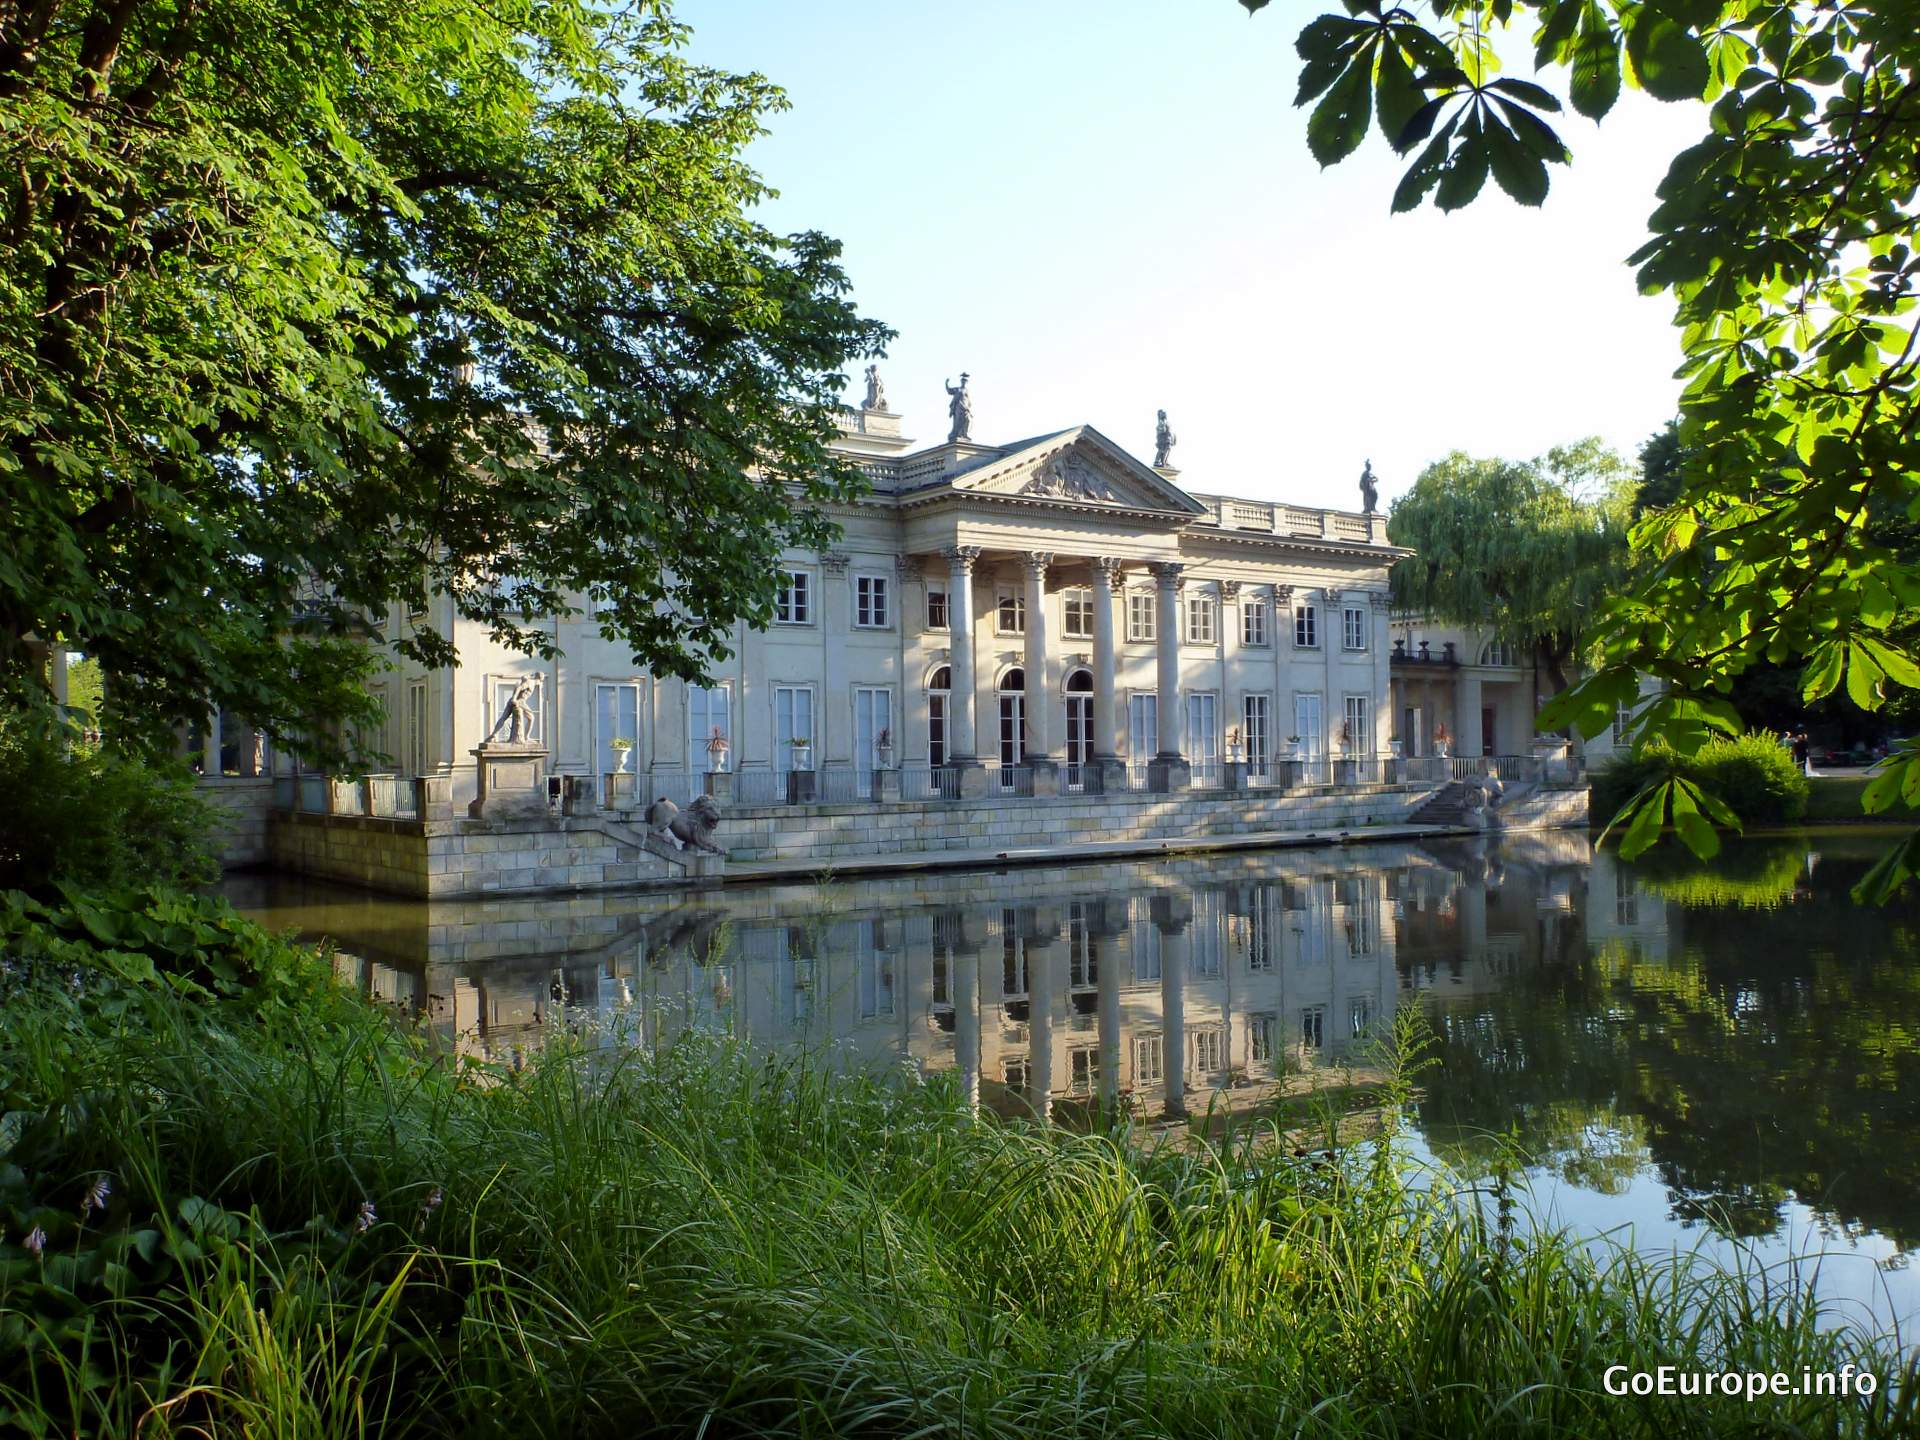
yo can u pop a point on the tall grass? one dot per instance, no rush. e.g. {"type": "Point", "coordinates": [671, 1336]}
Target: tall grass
{"type": "Point", "coordinates": [703, 1241]}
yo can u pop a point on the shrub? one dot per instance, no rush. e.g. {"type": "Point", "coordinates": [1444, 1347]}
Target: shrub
{"type": "Point", "coordinates": [99, 819]}
{"type": "Point", "coordinates": [1755, 774]}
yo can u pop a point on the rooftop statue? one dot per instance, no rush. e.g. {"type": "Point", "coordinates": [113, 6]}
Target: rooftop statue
{"type": "Point", "coordinates": [1369, 492]}
{"type": "Point", "coordinates": [876, 392]}
{"type": "Point", "coordinates": [960, 407]}
{"type": "Point", "coordinates": [1163, 442]}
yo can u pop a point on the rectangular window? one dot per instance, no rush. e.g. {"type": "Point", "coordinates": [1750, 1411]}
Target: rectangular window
{"type": "Point", "coordinates": [417, 728]}
{"type": "Point", "coordinates": [1149, 1060]}
{"type": "Point", "coordinates": [870, 602]}
{"type": "Point", "coordinates": [1200, 619]}
{"type": "Point", "coordinates": [1356, 728]}
{"type": "Point", "coordinates": [1010, 614]}
{"type": "Point", "coordinates": [1143, 727]}
{"type": "Point", "coordinates": [1013, 957]}
{"type": "Point", "coordinates": [1016, 1073]}
{"type": "Point", "coordinates": [1141, 616]}
{"type": "Point", "coordinates": [1145, 945]}
{"type": "Point", "coordinates": [1204, 935]}
{"type": "Point", "coordinates": [793, 603]}
{"type": "Point", "coordinates": [1255, 731]}
{"type": "Point", "coordinates": [936, 610]}
{"type": "Point", "coordinates": [1083, 958]}
{"type": "Point", "coordinates": [1622, 722]}
{"type": "Point", "coordinates": [1361, 939]}
{"type": "Point", "coordinates": [1359, 1015]}
{"type": "Point", "coordinates": [1083, 1069]}
{"type": "Point", "coordinates": [1313, 1027]}
{"type": "Point", "coordinates": [1208, 1051]}
{"type": "Point", "coordinates": [1353, 633]}
{"type": "Point", "coordinates": [1077, 615]}
{"type": "Point", "coordinates": [1253, 622]}
{"type": "Point", "coordinates": [616, 717]}
{"type": "Point", "coordinates": [1305, 622]}
{"type": "Point", "coordinates": [709, 722]}
{"type": "Point", "coordinates": [1263, 943]}
{"type": "Point", "coordinates": [1262, 1031]}
{"type": "Point", "coordinates": [793, 737]}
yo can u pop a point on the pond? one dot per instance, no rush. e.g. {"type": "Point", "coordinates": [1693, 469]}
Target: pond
{"type": "Point", "coordinates": [1710, 1056]}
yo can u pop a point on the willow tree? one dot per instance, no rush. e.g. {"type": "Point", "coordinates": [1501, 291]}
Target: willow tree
{"type": "Point", "coordinates": [1528, 548]}
{"type": "Point", "coordinates": [314, 310]}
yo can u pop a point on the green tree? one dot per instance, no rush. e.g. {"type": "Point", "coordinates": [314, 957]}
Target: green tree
{"type": "Point", "coordinates": [308, 311]}
{"type": "Point", "coordinates": [1516, 546]}
{"type": "Point", "coordinates": [1786, 238]}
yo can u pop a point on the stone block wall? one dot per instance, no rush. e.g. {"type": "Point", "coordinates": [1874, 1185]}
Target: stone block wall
{"type": "Point", "coordinates": [244, 807]}
{"type": "Point", "coordinates": [1546, 809]}
{"type": "Point", "coordinates": [441, 858]}
{"type": "Point", "coordinates": [831, 832]}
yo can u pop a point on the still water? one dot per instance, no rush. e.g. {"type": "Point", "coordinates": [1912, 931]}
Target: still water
{"type": "Point", "coordinates": [1693, 1056]}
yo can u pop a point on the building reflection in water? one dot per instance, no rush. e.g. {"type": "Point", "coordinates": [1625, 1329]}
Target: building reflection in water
{"type": "Point", "coordinates": [1168, 989]}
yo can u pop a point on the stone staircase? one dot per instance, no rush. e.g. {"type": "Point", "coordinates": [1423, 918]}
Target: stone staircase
{"type": "Point", "coordinates": [1448, 805]}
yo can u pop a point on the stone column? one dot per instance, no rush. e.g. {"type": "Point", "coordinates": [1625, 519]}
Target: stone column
{"type": "Point", "coordinates": [210, 745]}
{"type": "Point", "coordinates": [1472, 907]}
{"type": "Point", "coordinates": [1039, 696]}
{"type": "Point", "coordinates": [1041, 971]}
{"type": "Point", "coordinates": [1169, 770]}
{"type": "Point", "coordinates": [1175, 948]}
{"type": "Point", "coordinates": [1105, 937]}
{"type": "Point", "coordinates": [960, 701]}
{"type": "Point", "coordinates": [1469, 738]}
{"type": "Point", "coordinates": [963, 971]}
{"type": "Point", "coordinates": [1107, 765]}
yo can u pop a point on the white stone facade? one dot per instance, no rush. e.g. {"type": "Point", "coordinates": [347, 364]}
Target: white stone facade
{"type": "Point", "coordinates": [1053, 607]}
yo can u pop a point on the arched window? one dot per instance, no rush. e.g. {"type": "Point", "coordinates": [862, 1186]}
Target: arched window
{"type": "Point", "coordinates": [1013, 720]}
{"type": "Point", "coordinates": [1079, 727]}
{"type": "Point", "coordinates": [1080, 682]}
{"type": "Point", "coordinates": [1497, 652]}
{"type": "Point", "coordinates": [939, 686]}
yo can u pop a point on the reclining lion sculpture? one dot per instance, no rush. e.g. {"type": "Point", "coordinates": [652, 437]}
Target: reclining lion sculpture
{"type": "Point", "coordinates": [691, 828]}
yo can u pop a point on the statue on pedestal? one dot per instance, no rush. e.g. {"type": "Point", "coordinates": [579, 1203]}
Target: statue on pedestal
{"type": "Point", "coordinates": [1369, 492]}
{"type": "Point", "coordinates": [517, 718]}
{"type": "Point", "coordinates": [1163, 442]}
{"type": "Point", "coordinates": [960, 407]}
{"type": "Point", "coordinates": [876, 392]}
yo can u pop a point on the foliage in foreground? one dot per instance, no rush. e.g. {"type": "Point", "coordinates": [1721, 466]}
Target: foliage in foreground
{"type": "Point", "coordinates": [314, 312]}
{"type": "Point", "coordinates": [1787, 238]}
{"type": "Point", "coordinates": [94, 818]}
{"type": "Point", "coordinates": [1753, 776]}
{"type": "Point", "coordinates": [263, 1216]}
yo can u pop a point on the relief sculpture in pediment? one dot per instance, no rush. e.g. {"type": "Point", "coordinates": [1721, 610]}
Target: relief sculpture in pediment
{"type": "Point", "coordinates": [1068, 477]}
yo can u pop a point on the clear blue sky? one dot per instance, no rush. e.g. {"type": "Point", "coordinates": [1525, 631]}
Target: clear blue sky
{"type": "Point", "coordinates": [1104, 207]}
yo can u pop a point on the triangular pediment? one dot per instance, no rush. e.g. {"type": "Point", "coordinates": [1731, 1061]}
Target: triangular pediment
{"type": "Point", "coordinates": [1078, 466]}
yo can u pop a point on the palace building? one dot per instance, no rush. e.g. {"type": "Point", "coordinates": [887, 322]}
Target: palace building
{"type": "Point", "coordinates": [1045, 616]}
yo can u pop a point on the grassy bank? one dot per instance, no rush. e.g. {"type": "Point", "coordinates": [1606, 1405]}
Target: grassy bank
{"type": "Point", "coordinates": [313, 1226]}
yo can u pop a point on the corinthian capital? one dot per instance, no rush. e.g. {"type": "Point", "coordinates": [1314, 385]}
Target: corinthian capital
{"type": "Point", "coordinates": [960, 558]}
{"type": "Point", "coordinates": [1168, 573]}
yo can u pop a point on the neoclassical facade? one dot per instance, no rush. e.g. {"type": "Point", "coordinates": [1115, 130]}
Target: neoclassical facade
{"type": "Point", "coordinates": [1048, 614]}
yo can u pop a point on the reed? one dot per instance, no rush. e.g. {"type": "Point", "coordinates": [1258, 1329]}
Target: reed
{"type": "Point", "coordinates": [318, 1227]}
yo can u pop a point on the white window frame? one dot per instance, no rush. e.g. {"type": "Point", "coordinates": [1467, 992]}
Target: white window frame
{"type": "Point", "coordinates": [417, 727]}
{"type": "Point", "coordinates": [1080, 601]}
{"type": "Point", "coordinates": [500, 690]}
{"type": "Point", "coordinates": [1141, 706]}
{"type": "Point", "coordinates": [1256, 728]}
{"type": "Point", "coordinates": [1306, 625]}
{"type": "Point", "coordinates": [878, 698]}
{"type": "Point", "coordinates": [793, 605]}
{"type": "Point", "coordinates": [1353, 627]}
{"type": "Point", "coordinates": [783, 756]}
{"type": "Point", "coordinates": [1149, 1058]}
{"type": "Point", "coordinates": [1009, 608]}
{"type": "Point", "coordinates": [1263, 1036]}
{"type": "Point", "coordinates": [937, 595]}
{"type": "Point", "coordinates": [1202, 620]}
{"type": "Point", "coordinates": [700, 760]}
{"type": "Point", "coordinates": [1143, 618]}
{"type": "Point", "coordinates": [1622, 723]}
{"type": "Point", "coordinates": [600, 735]}
{"type": "Point", "coordinates": [1207, 1043]}
{"type": "Point", "coordinates": [1253, 622]}
{"type": "Point", "coordinates": [1313, 1027]}
{"type": "Point", "coordinates": [1359, 736]}
{"type": "Point", "coordinates": [872, 602]}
